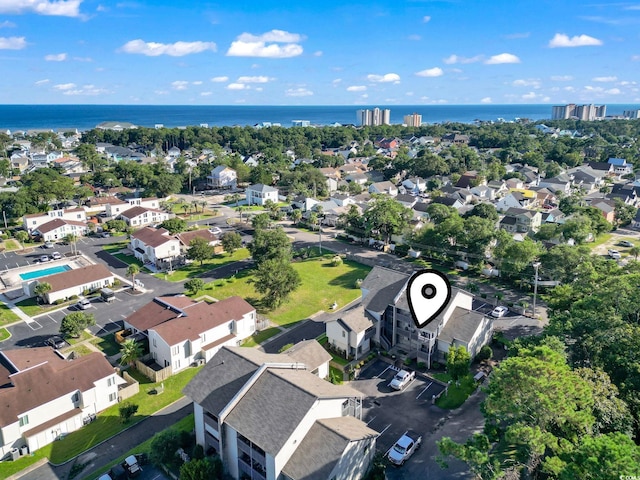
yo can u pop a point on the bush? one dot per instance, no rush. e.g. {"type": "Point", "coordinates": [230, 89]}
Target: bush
{"type": "Point", "coordinates": [485, 353]}
{"type": "Point", "coordinates": [359, 283]}
{"type": "Point", "coordinates": [73, 297]}
{"type": "Point", "coordinates": [401, 250]}
{"type": "Point", "coordinates": [436, 365]}
{"type": "Point", "coordinates": [422, 366]}
{"type": "Point", "coordinates": [407, 362]}
{"type": "Point", "coordinates": [58, 302]}
{"type": "Point", "coordinates": [336, 261]}
{"type": "Point", "coordinates": [198, 452]}
{"type": "Point", "coordinates": [127, 410]}
{"type": "Point", "coordinates": [116, 282]}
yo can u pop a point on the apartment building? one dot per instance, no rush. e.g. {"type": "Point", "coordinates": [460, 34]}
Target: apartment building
{"type": "Point", "coordinates": [373, 117]}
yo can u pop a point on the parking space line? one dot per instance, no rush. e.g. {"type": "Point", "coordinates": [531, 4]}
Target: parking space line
{"type": "Point", "coordinates": [54, 320]}
{"type": "Point", "coordinates": [384, 430]}
{"type": "Point", "coordinates": [424, 390]}
{"type": "Point", "coordinates": [381, 373]}
{"type": "Point", "coordinates": [32, 328]}
{"type": "Point", "coordinates": [372, 420]}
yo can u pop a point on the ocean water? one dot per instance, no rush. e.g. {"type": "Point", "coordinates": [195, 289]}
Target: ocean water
{"type": "Point", "coordinates": [85, 117]}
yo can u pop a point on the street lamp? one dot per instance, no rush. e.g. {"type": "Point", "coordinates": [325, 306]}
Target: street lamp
{"type": "Point", "coordinates": [536, 266]}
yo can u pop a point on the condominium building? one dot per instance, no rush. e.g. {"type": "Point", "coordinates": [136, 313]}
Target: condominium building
{"type": "Point", "coordinates": [579, 112]}
{"type": "Point", "coordinates": [373, 117]}
{"type": "Point", "coordinates": [413, 120]}
{"type": "Point", "coordinates": [631, 114]}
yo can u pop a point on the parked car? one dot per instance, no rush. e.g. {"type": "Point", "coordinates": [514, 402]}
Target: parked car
{"type": "Point", "coordinates": [615, 254]}
{"type": "Point", "coordinates": [408, 443]}
{"type": "Point", "coordinates": [56, 342]}
{"type": "Point", "coordinates": [402, 379]}
{"type": "Point", "coordinates": [83, 304]}
{"type": "Point", "coordinates": [105, 234]}
{"type": "Point", "coordinates": [626, 243]}
{"type": "Point", "coordinates": [215, 230]}
{"type": "Point", "coordinates": [499, 312]}
{"type": "Point", "coordinates": [105, 476]}
{"type": "Point", "coordinates": [118, 473]}
{"type": "Point", "coordinates": [48, 245]}
{"type": "Point", "coordinates": [44, 258]}
{"type": "Point", "coordinates": [130, 464]}
{"type": "Point", "coordinates": [56, 256]}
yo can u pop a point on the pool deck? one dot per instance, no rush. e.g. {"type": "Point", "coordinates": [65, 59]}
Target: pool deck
{"type": "Point", "coordinates": [11, 278]}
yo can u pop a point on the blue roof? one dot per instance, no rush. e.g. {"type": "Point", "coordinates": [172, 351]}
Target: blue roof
{"type": "Point", "coordinates": [618, 162]}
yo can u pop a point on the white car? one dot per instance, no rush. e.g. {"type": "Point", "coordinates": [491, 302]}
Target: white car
{"type": "Point", "coordinates": [615, 254]}
{"type": "Point", "coordinates": [44, 258]}
{"type": "Point", "coordinates": [56, 256]}
{"type": "Point", "coordinates": [626, 243]}
{"type": "Point", "coordinates": [402, 379]}
{"type": "Point", "coordinates": [499, 312]}
{"type": "Point", "coordinates": [408, 443]}
{"type": "Point", "coordinates": [83, 304]}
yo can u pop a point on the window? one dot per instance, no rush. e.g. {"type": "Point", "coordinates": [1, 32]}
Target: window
{"type": "Point", "coordinates": [231, 326]}
{"type": "Point", "coordinates": [110, 381]}
{"type": "Point", "coordinates": [344, 334]}
{"type": "Point", "coordinates": [24, 420]}
{"type": "Point", "coordinates": [154, 342]}
{"type": "Point", "coordinates": [76, 397]}
{"type": "Point", "coordinates": [112, 397]}
{"type": "Point", "coordinates": [175, 350]}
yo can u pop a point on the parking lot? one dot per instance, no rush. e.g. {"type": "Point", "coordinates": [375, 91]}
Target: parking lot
{"type": "Point", "coordinates": [392, 412]}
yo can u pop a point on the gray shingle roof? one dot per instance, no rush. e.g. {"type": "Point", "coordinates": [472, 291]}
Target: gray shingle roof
{"type": "Point", "coordinates": [462, 325]}
{"type": "Point", "coordinates": [355, 320]}
{"type": "Point", "coordinates": [382, 285]}
{"type": "Point", "coordinates": [309, 352]}
{"type": "Point", "coordinates": [321, 449]}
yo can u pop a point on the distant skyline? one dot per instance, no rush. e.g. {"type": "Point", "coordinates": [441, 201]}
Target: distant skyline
{"type": "Point", "coordinates": [383, 53]}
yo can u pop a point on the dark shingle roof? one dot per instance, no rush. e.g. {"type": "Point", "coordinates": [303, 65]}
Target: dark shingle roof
{"type": "Point", "coordinates": [462, 325]}
{"type": "Point", "coordinates": [382, 285]}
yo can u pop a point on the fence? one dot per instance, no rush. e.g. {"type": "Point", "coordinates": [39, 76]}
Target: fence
{"type": "Point", "coordinates": [130, 390]}
{"type": "Point", "coordinates": [152, 374]}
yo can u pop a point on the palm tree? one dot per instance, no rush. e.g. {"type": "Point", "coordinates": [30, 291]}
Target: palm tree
{"type": "Point", "coordinates": [635, 251]}
{"type": "Point", "coordinates": [296, 215]}
{"type": "Point", "coordinates": [71, 239]}
{"type": "Point", "coordinates": [240, 210]}
{"type": "Point", "coordinates": [41, 289]}
{"type": "Point", "coordinates": [132, 271]}
{"type": "Point", "coordinates": [235, 198]}
{"type": "Point", "coordinates": [313, 220]}
{"type": "Point", "coordinates": [203, 204]}
{"type": "Point", "coordinates": [131, 351]}
{"type": "Point", "coordinates": [185, 207]}
{"type": "Point", "coordinates": [194, 204]}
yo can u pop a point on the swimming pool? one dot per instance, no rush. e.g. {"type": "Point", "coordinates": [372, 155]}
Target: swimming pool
{"type": "Point", "coordinates": [44, 272]}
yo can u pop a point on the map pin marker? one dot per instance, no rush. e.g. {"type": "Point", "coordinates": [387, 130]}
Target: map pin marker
{"type": "Point", "coordinates": [428, 293]}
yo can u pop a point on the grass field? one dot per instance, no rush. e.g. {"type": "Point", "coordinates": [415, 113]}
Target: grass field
{"type": "Point", "coordinates": [4, 334]}
{"type": "Point", "coordinates": [7, 316]}
{"type": "Point", "coordinates": [107, 344]}
{"type": "Point", "coordinates": [457, 394]}
{"type": "Point", "coordinates": [261, 336]}
{"type": "Point", "coordinates": [115, 247]}
{"type": "Point", "coordinates": [322, 284]}
{"type": "Point", "coordinates": [10, 245]}
{"type": "Point", "coordinates": [31, 307]}
{"type": "Point", "coordinates": [194, 269]}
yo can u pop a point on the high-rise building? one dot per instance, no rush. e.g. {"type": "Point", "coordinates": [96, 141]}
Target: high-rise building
{"type": "Point", "coordinates": [580, 112]}
{"type": "Point", "coordinates": [631, 114]}
{"type": "Point", "coordinates": [373, 117]}
{"type": "Point", "coordinates": [413, 120]}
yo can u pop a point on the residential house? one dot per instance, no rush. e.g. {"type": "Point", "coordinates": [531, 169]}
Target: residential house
{"type": "Point", "coordinates": [19, 162]}
{"type": "Point", "coordinates": [415, 185]}
{"type": "Point", "coordinates": [407, 200]}
{"type": "Point", "coordinates": [185, 239]}
{"type": "Point", "coordinates": [117, 207]}
{"type": "Point", "coordinates": [182, 331]}
{"type": "Point", "coordinates": [58, 229]}
{"type": "Point", "coordinates": [587, 179]}
{"type": "Point", "coordinates": [34, 220]}
{"type": "Point", "coordinates": [525, 220]}
{"type": "Point", "coordinates": [456, 138]}
{"type": "Point", "coordinates": [343, 199]}
{"type": "Point", "coordinates": [628, 194]}
{"type": "Point", "coordinates": [359, 178]}
{"type": "Point", "coordinates": [155, 246]}
{"type": "Point", "coordinates": [259, 194]}
{"type": "Point", "coordinates": [560, 183]}
{"type": "Point", "coordinates": [635, 223]}
{"type": "Point", "coordinates": [607, 208]}
{"type": "Point", "coordinates": [449, 202]}
{"type": "Point", "coordinates": [384, 298]}
{"type": "Point", "coordinates": [483, 193]}
{"type": "Point", "coordinates": [351, 332]}
{"type": "Point", "coordinates": [517, 199]}
{"type": "Point", "coordinates": [383, 188]}
{"type": "Point", "coordinates": [222, 177]}
{"type": "Point", "coordinates": [269, 417]}
{"type": "Point", "coordinates": [604, 167]}
{"type": "Point", "coordinates": [73, 282]}
{"type": "Point", "coordinates": [141, 216]}
{"type": "Point", "coordinates": [620, 166]}
{"type": "Point", "coordinates": [313, 355]}
{"type": "Point", "coordinates": [45, 396]}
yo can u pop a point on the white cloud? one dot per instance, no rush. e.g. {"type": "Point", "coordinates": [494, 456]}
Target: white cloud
{"type": "Point", "coordinates": [364, 96]}
{"type": "Point", "coordinates": [336, 82]}
{"type": "Point", "coordinates": [237, 86]}
{"type": "Point", "coordinates": [258, 89]}
{"type": "Point", "coordinates": [7, 24]}
{"type": "Point", "coordinates": [267, 45]}
{"type": "Point", "coordinates": [486, 100]}
{"type": "Point", "coordinates": [85, 90]}
{"type": "Point", "coordinates": [12, 43]}
{"type": "Point", "coordinates": [635, 58]}
{"type": "Point", "coordinates": [561, 78]}
{"type": "Point", "coordinates": [453, 59]}
{"type": "Point", "coordinates": [206, 94]}
{"type": "Point", "coordinates": [177, 49]}
{"type": "Point", "coordinates": [298, 92]}
{"type": "Point", "coordinates": [180, 85]}
{"type": "Point", "coordinates": [605, 79]}
{"type": "Point", "coordinates": [221, 79]}
{"type": "Point", "coordinates": [356, 88]}
{"type": "Point", "coordinates": [64, 86]}
{"type": "Point", "coordinates": [56, 57]}
{"type": "Point", "coordinates": [61, 8]}
{"type": "Point", "coordinates": [426, 19]}
{"type": "Point", "coordinates": [386, 78]}
{"type": "Point", "coordinates": [613, 91]}
{"type": "Point", "coordinates": [83, 59]}
{"type": "Point", "coordinates": [256, 79]}
{"type": "Point", "coordinates": [197, 82]}
{"type": "Point", "coordinates": [529, 96]}
{"type": "Point", "coordinates": [502, 58]}
{"type": "Point", "coordinates": [569, 89]}
{"type": "Point", "coordinates": [430, 72]}
{"type": "Point", "coordinates": [318, 53]}
{"type": "Point", "coordinates": [528, 82]}
{"type": "Point", "coordinates": [561, 40]}
{"type": "Point", "coordinates": [414, 37]}
{"type": "Point", "coordinates": [42, 82]}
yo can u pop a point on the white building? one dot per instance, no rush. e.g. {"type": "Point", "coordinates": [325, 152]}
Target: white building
{"type": "Point", "coordinates": [373, 117]}
{"type": "Point", "coordinates": [259, 194]}
{"type": "Point", "coordinates": [270, 418]}
{"type": "Point", "coordinates": [115, 208]}
{"type": "Point", "coordinates": [59, 228]}
{"type": "Point", "coordinates": [155, 246]}
{"type": "Point", "coordinates": [351, 333]}
{"type": "Point", "coordinates": [34, 220]}
{"type": "Point", "coordinates": [222, 177]}
{"type": "Point", "coordinates": [141, 216]}
{"type": "Point", "coordinates": [44, 396]}
{"type": "Point", "coordinates": [73, 282]}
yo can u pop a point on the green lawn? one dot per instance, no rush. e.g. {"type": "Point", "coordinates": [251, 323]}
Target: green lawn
{"type": "Point", "coordinates": [31, 307]}
{"type": "Point", "coordinates": [195, 269]}
{"type": "Point", "coordinates": [4, 334]}
{"type": "Point", "coordinates": [7, 316]}
{"type": "Point", "coordinates": [322, 284]}
{"type": "Point", "coordinates": [600, 240]}
{"type": "Point", "coordinates": [261, 336]}
{"type": "Point", "coordinates": [84, 335]}
{"type": "Point", "coordinates": [80, 350]}
{"type": "Point", "coordinates": [456, 395]}
{"type": "Point", "coordinates": [115, 247]}
{"type": "Point", "coordinates": [108, 422]}
{"type": "Point", "coordinates": [10, 245]}
{"type": "Point", "coordinates": [187, 424]}
{"type": "Point", "coordinates": [107, 344]}
{"type": "Point", "coordinates": [335, 374]}
{"type": "Point", "coordinates": [128, 259]}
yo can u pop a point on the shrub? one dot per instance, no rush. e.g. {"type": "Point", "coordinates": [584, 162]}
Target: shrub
{"type": "Point", "coordinates": [73, 297]}
{"type": "Point", "coordinates": [485, 353]}
{"type": "Point", "coordinates": [359, 283]}
{"type": "Point", "coordinates": [58, 302]}
{"type": "Point", "coordinates": [86, 292]}
{"type": "Point", "coordinates": [407, 361]}
{"type": "Point", "coordinates": [483, 295]}
{"type": "Point", "coordinates": [116, 282]}
{"type": "Point", "coordinates": [336, 261]}
{"type": "Point", "coordinates": [198, 452]}
{"type": "Point", "coordinates": [436, 365]}
{"type": "Point", "coordinates": [422, 366]}
{"type": "Point", "coordinates": [127, 410]}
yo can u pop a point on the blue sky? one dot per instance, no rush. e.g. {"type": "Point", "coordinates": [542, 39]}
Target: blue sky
{"type": "Point", "coordinates": [319, 53]}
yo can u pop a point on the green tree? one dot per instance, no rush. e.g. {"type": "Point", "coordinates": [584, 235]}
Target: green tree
{"type": "Point", "coordinates": [261, 221]}
{"type": "Point", "coordinates": [133, 270]}
{"type": "Point", "coordinates": [116, 225]}
{"type": "Point", "coordinates": [164, 446]}
{"type": "Point", "coordinates": [194, 285]}
{"type": "Point", "coordinates": [22, 237]}
{"type": "Point", "coordinates": [275, 279]}
{"type": "Point", "coordinates": [199, 250]}
{"type": "Point", "coordinates": [296, 216]}
{"type": "Point", "coordinates": [126, 411]}
{"type": "Point", "coordinates": [634, 252]}
{"type": "Point", "coordinates": [458, 362]}
{"type": "Point", "coordinates": [484, 210]}
{"type": "Point", "coordinates": [231, 241]}
{"type": "Point", "coordinates": [41, 289]}
{"type": "Point", "coordinates": [624, 213]}
{"type": "Point", "coordinates": [174, 225]}
{"type": "Point", "coordinates": [74, 323]}
{"type": "Point", "coordinates": [385, 217]}
{"type": "Point", "coordinates": [72, 240]}
{"type": "Point", "coordinates": [270, 244]}
{"type": "Point", "coordinates": [204, 469]}
{"type": "Point", "coordinates": [130, 352]}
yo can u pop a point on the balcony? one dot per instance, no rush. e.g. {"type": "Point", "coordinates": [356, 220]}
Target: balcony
{"type": "Point", "coordinates": [247, 471]}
